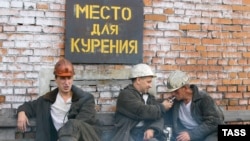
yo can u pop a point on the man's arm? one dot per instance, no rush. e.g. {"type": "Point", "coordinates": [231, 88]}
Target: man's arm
{"type": "Point", "coordinates": [24, 112]}
{"type": "Point", "coordinates": [210, 121]}
{"type": "Point", "coordinates": [22, 121]}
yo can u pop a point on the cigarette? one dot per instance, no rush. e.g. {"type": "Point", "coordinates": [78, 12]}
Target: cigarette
{"type": "Point", "coordinates": [171, 100]}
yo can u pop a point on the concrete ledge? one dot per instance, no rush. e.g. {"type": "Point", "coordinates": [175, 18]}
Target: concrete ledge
{"type": "Point", "coordinates": [236, 115]}
{"type": "Point", "coordinates": [8, 124]}
{"type": "Point", "coordinates": [8, 130]}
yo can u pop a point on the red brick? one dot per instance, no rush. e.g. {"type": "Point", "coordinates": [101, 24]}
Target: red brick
{"type": "Point", "coordinates": [246, 95]}
{"type": "Point", "coordinates": [243, 102]}
{"type": "Point", "coordinates": [205, 82]}
{"type": "Point", "coordinates": [147, 60]}
{"type": "Point", "coordinates": [222, 88]}
{"type": "Point", "coordinates": [169, 11]}
{"type": "Point", "coordinates": [241, 88]}
{"type": "Point", "coordinates": [211, 41]}
{"type": "Point", "coordinates": [241, 35]}
{"type": "Point", "coordinates": [177, 47]}
{"type": "Point", "coordinates": [212, 68]}
{"type": "Point", "coordinates": [190, 41]}
{"type": "Point", "coordinates": [246, 81]}
{"type": "Point", "coordinates": [233, 102]}
{"type": "Point", "coordinates": [155, 17]}
{"type": "Point", "coordinates": [221, 21]}
{"type": "Point", "coordinates": [2, 98]}
{"type": "Point", "coordinates": [246, 54]}
{"type": "Point", "coordinates": [242, 75]}
{"type": "Point", "coordinates": [232, 82]}
{"type": "Point", "coordinates": [200, 48]}
{"type": "Point", "coordinates": [211, 89]}
{"type": "Point", "coordinates": [190, 55]}
{"type": "Point", "coordinates": [220, 34]}
{"type": "Point", "coordinates": [211, 54]}
{"type": "Point", "coordinates": [202, 62]}
{"type": "Point", "coordinates": [42, 6]}
{"type": "Point", "coordinates": [147, 2]}
{"type": "Point", "coordinates": [160, 53]}
{"type": "Point", "coordinates": [211, 27]}
{"type": "Point", "coordinates": [190, 27]}
{"type": "Point", "coordinates": [232, 55]}
{"type": "Point", "coordinates": [191, 68]}
{"type": "Point", "coordinates": [241, 21]}
{"type": "Point", "coordinates": [190, 48]}
{"type": "Point", "coordinates": [169, 61]}
{"type": "Point", "coordinates": [233, 95]}
{"type": "Point", "coordinates": [240, 8]}
{"type": "Point", "coordinates": [232, 75]}
{"type": "Point", "coordinates": [149, 53]}
{"type": "Point", "coordinates": [180, 61]}
{"type": "Point", "coordinates": [3, 51]}
{"type": "Point", "coordinates": [212, 62]}
{"type": "Point", "coordinates": [223, 102]}
{"type": "Point", "coordinates": [232, 89]}
{"type": "Point", "coordinates": [167, 67]}
{"type": "Point", "coordinates": [237, 107]}
{"type": "Point", "coordinates": [247, 2]}
{"type": "Point", "coordinates": [157, 60]}
{"type": "Point", "coordinates": [191, 61]}
{"type": "Point", "coordinates": [232, 28]}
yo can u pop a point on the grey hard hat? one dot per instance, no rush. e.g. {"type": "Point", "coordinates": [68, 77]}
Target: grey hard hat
{"type": "Point", "coordinates": [141, 70]}
{"type": "Point", "coordinates": [176, 80]}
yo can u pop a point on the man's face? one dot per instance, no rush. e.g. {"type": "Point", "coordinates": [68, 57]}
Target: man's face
{"type": "Point", "coordinates": [179, 93]}
{"type": "Point", "coordinates": [64, 83]}
{"type": "Point", "coordinates": [144, 83]}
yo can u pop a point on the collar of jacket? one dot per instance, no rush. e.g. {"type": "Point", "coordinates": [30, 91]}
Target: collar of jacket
{"type": "Point", "coordinates": [131, 87]}
{"type": "Point", "coordinates": [196, 93]}
{"type": "Point", "coordinates": [51, 96]}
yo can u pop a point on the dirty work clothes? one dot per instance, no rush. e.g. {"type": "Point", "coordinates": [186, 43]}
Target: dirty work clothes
{"type": "Point", "coordinates": [137, 134]}
{"type": "Point", "coordinates": [81, 131]}
{"type": "Point", "coordinates": [59, 110]}
{"type": "Point", "coordinates": [82, 110]}
{"type": "Point", "coordinates": [131, 109]}
{"type": "Point", "coordinates": [203, 110]}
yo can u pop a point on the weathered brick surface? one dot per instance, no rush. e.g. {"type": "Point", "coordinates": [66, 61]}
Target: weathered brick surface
{"type": "Point", "coordinates": [2, 99]}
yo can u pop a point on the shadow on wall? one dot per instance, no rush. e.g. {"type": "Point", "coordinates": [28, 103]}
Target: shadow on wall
{"type": "Point", "coordinates": [46, 75]}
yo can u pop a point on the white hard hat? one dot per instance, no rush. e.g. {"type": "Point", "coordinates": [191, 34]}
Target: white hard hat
{"type": "Point", "coordinates": [141, 70]}
{"type": "Point", "coordinates": [176, 80]}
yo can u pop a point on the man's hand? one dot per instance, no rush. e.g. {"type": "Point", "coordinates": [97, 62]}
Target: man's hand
{"type": "Point", "coordinates": [148, 134]}
{"type": "Point", "coordinates": [22, 121]}
{"type": "Point", "coordinates": [183, 136]}
{"type": "Point", "coordinates": [167, 104]}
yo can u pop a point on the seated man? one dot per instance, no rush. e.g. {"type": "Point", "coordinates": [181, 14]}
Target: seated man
{"type": "Point", "coordinates": [138, 116]}
{"type": "Point", "coordinates": [65, 114]}
{"type": "Point", "coordinates": [194, 115]}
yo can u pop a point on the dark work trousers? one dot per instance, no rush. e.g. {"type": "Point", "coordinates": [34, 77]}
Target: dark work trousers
{"type": "Point", "coordinates": [137, 134]}
{"type": "Point", "coordinates": [210, 137]}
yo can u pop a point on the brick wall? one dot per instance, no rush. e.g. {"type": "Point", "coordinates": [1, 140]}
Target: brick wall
{"type": "Point", "coordinates": [207, 38]}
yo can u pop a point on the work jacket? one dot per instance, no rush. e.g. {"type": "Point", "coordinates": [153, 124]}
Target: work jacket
{"type": "Point", "coordinates": [131, 109]}
{"type": "Point", "coordinates": [82, 113]}
{"type": "Point", "coordinates": [203, 110]}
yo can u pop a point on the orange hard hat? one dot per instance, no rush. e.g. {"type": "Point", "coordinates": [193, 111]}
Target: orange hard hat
{"type": "Point", "coordinates": [64, 68]}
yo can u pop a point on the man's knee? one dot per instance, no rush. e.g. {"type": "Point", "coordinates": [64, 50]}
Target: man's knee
{"type": "Point", "coordinates": [212, 137]}
{"type": "Point", "coordinates": [67, 138]}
